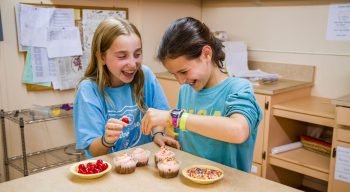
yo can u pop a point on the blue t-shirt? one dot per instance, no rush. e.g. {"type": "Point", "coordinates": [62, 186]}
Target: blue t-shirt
{"type": "Point", "coordinates": [92, 111]}
{"type": "Point", "coordinates": [234, 95]}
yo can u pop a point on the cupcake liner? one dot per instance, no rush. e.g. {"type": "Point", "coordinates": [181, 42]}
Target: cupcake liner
{"type": "Point", "coordinates": [166, 172]}
{"type": "Point", "coordinates": [168, 175]}
{"type": "Point", "coordinates": [125, 170]}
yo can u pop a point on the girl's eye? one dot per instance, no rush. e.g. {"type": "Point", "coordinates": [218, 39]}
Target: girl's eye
{"type": "Point", "coordinates": [121, 56]}
{"type": "Point", "coordinates": [137, 55]}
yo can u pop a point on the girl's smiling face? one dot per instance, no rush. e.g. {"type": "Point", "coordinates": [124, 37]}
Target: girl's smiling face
{"type": "Point", "coordinates": [123, 59]}
{"type": "Point", "coordinates": [195, 72]}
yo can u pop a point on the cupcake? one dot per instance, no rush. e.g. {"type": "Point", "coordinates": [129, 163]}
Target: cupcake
{"type": "Point", "coordinates": [140, 156]}
{"type": "Point", "coordinates": [124, 164]}
{"type": "Point", "coordinates": [163, 153]}
{"type": "Point", "coordinates": [168, 167]}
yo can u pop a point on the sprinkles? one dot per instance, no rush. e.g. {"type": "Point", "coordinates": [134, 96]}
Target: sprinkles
{"type": "Point", "coordinates": [203, 173]}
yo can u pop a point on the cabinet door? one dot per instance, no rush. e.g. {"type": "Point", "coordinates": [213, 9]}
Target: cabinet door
{"type": "Point", "coordinates": [337, 185]}
{"type": "Point", "coordinates": [171, 89]}
{"type": "Point", "coordinates": [258, 149]}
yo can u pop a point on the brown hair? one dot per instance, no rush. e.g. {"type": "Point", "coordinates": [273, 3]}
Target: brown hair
{"type": "Point", "coordinates": [187, 36]}
{"type": "Point", "coordinates": [106, 32]}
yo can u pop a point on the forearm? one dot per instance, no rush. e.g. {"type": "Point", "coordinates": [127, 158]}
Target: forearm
{"type": "Point", "coordinates": [97, 148]}
{"type": "Point", "coordinates": [232, 129]}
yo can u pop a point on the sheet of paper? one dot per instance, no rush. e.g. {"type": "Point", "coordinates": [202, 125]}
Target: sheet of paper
{"type": "Point", "coordinates": [40, 65]}
{"type": "Point", "coordinates": [339, 22]}
{"type": "Point", "coordinates": [27, 76]}
{"type": "Point", "coordinates": [64, 42]}
{"type": "Point", "coordinates": [21, 48]}
{"type": "Point", "coordinates": [62, 18]}
{"type": "Point", "coordinates": [236, 57]}
{"type": "Point", "coordinates": [34, 23]}
{"type": "Point", "coordinates": [69, 71]}
{"type": "Point", "coordinates": [342, 164]}
{"type": "Point", "coordinates": [91, 19]}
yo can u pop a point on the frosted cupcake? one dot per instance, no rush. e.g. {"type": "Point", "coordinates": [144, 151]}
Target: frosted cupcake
{"type": "Point", "coordinates": [124, 164]}
{"type": "Point", "coordinates": [168, 168]}
{"type": "Point", "coordinates": [163, 153]}
{"type": "Point", "coordinates": [141, 156]}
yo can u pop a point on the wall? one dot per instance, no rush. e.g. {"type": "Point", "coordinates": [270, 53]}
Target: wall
{"type": "Point", "coordinates": [150, 16]}
{"type": "Point", "coordinates": [286, 32]}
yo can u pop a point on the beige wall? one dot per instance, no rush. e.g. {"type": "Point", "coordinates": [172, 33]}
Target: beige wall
{"type": "Point", "coordinates": [150, 16]}
{"type": "Point", "coordinates": [286, 32]}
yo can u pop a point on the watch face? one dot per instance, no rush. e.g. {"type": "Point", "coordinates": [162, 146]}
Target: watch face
{"type": "Point", "coordinates": [175, 113]}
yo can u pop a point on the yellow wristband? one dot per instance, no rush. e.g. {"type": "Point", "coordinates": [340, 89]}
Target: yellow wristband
{"type": "Point", "coordinates": [183, 120]}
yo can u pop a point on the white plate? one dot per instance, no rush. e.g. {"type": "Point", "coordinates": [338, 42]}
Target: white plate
{"type": "Point", "coordinates": [74, 170]}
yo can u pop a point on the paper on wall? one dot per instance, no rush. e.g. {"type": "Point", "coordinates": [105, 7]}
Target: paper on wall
{"type": "Point", "coordinates": [27, 76]}
{"type": "Point", "coordinates": [34, 23]}
{"type": "Point", "coordinates": [43, 68]}
{"type": "Point", "coordinates": [338, 27]}
{"type": "Point", "coordinates": [64, 42]}
{"type": "Point", "coordinates": [342, 164]}
{"type": "Point", "coordinates": [236, 57]}
{"type": "Point", "coordinates": [69, 71]}
{"type": "Point", "coordinates": [91, 19]}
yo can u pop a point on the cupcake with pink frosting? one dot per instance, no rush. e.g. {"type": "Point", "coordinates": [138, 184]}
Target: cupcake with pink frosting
{"type": "Point", "coordinates": [168, 167]}
{"type": "Point", "coordinates": [124, 164]}
{"type": "Point", "coordinates": [163, 153]}
{"type": "Point", "coordinates": [141, 156]}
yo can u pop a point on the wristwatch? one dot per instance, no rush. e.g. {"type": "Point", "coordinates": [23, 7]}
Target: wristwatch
{"type": "Point", "coordinates": [175, 116]}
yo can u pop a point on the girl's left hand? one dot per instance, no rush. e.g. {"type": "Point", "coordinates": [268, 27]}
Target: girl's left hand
{"type": "Point", "coordinates": [154, 118]}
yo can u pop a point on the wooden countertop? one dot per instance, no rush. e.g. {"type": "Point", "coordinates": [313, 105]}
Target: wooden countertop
{"type": "Point", "coordinates": [342, 101]}
{"type": "Point", "coordinates": [281, 86]}
{"type": "Point", "coordinates": [143, 179]}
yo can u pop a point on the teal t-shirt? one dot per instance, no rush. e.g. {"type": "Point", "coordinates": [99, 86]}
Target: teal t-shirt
{"type": "Point", "coordinates": [92, 111]}
{"type": "Point", "coordinates": [234, 95]}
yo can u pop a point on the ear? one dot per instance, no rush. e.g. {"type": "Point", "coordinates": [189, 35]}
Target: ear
{"type": "Point", "coordinates": [103, 58]}
{"type": "Point", "coordinates": [207, 52]}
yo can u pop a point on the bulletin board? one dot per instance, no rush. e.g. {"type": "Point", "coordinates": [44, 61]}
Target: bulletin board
{"type": "Point", "coordinates": [78, 22]}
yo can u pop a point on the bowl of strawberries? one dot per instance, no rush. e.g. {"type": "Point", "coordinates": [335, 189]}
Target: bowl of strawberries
{"type": "Point", "coordinates": [90, 169]}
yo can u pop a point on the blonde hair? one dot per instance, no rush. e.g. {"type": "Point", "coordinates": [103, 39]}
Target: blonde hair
{"type": "Point", "coordinates": [106, 32]}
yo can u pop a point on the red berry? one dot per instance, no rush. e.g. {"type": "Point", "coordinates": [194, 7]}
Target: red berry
{"type": "Point", "coordinates": [99, 162]}
{"type": "Point", "coordinates": [125, 120]}
{"type": "Point", "coordinates": [104, 166]}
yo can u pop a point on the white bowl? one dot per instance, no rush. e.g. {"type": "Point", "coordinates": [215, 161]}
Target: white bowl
{"type": "Point", "coordinates": [202, 181]}
{"type": "Point", "coordinates": [74, 170]}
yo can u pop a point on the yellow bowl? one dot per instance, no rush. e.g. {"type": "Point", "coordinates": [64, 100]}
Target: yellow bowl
{"type": "Point", "coordinates": [202, 181]}
{"type": "Point", "coordinates": [74, 170]}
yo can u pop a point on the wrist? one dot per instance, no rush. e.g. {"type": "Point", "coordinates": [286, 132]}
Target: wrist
{"type": "Point", "coordinates": [175, 115]}
{"type": "Point", "coordinates": [157, 133]}
{"type": "Point", "coordinates": [183, 121]}
{"type": "Point", "coordinates": [106, 143]}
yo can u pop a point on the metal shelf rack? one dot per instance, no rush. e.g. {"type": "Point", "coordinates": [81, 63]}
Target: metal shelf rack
{"type": "Point", "coordinates": [30, 163]}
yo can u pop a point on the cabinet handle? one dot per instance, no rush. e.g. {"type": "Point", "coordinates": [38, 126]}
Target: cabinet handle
{"type": "Point", "coordinates": [267, 105]}
{"type": "Point", "coordinates": [264, 155]}
{"type": "Point", "coordinates": [334, 152]}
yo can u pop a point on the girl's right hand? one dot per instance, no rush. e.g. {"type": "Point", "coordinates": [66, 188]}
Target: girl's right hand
{"type": "Point", "coordinates": [113, 129]}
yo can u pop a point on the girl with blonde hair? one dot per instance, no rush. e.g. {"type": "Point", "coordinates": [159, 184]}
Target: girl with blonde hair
{"type": "Point", "coordinates": [115, 91]}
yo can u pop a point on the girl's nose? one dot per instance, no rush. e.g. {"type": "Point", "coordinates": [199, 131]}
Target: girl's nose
{"type": "Point", "coordinates": [181, 79]}
{"type": "Point", "coordinates": [133, 62]}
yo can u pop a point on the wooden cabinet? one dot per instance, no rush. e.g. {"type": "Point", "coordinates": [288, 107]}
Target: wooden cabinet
{"type": "Point", "coordinates": [170, 87]}
{"type": "Point", "coordinates": [289, 121]}
{"type": "Point", "coordinates": [341, 138]}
